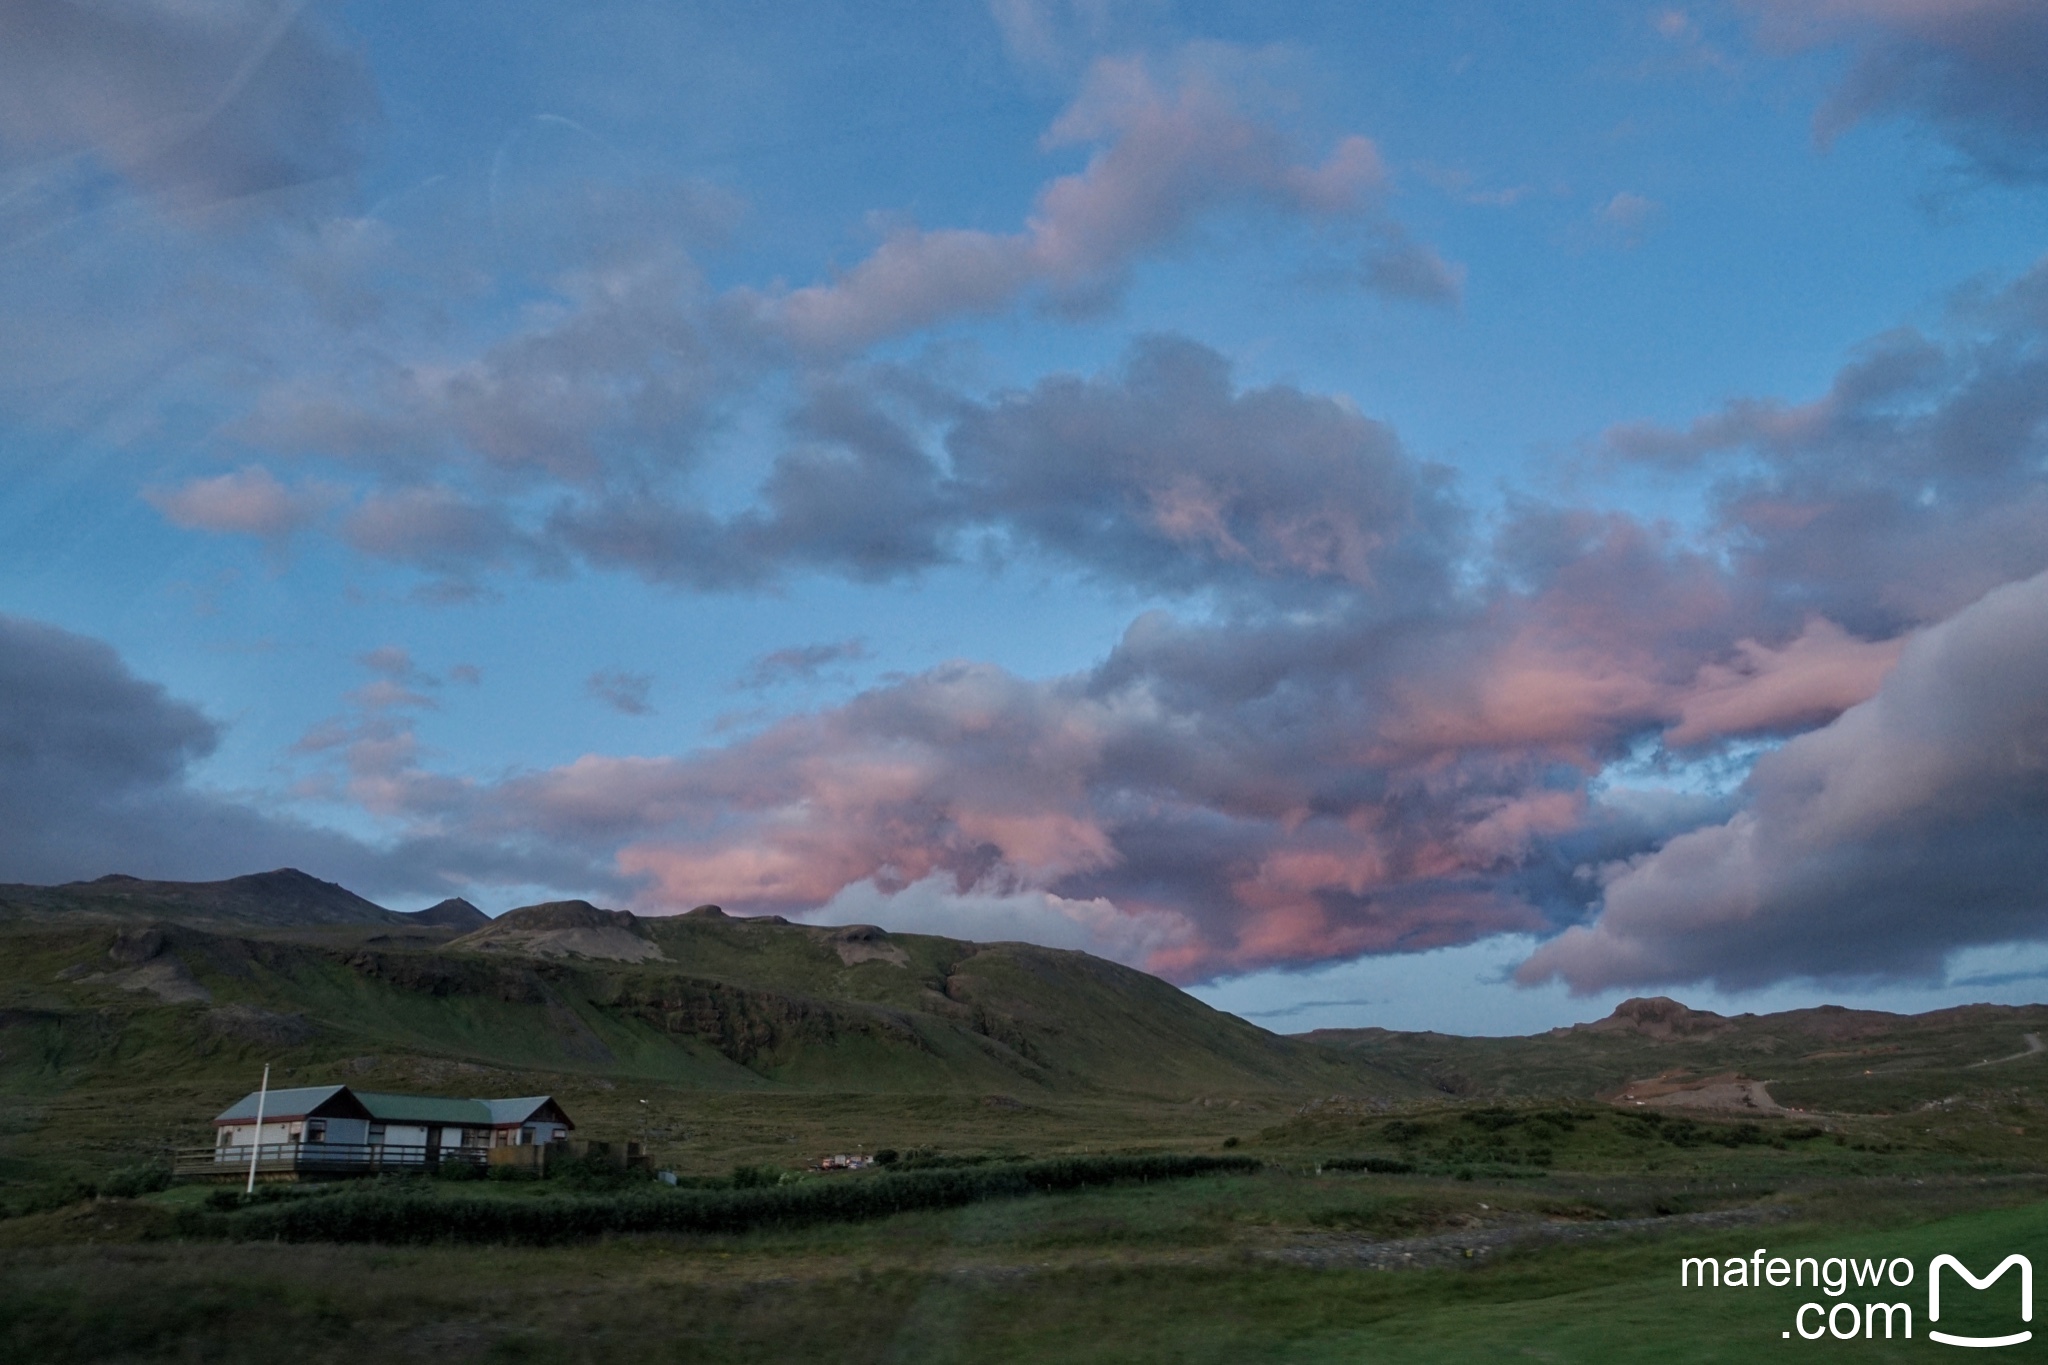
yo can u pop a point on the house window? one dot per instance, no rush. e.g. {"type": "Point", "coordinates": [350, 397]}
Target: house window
{"type": "Point", "coordinates": [316, 1130]}
{"type": "Point", "coordinates": [376, 1135]}
{"type": "Point", "coordinates": [526, 1135]}
{"type": "Point", "coordinates": [224, 1137]}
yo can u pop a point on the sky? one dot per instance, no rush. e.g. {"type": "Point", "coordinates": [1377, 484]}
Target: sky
{"type": "Point", "coordinates": [1432, 516]}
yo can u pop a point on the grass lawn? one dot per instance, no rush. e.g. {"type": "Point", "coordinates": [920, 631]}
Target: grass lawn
{"type": "Point", "coordinates": [1188, 1271]}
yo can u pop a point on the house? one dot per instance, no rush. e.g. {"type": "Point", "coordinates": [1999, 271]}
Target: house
{"type": "Point", "coordinates": [333, 1130]}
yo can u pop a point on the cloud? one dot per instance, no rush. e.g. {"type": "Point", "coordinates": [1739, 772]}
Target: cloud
{"type": "Point", "coordinates": [612, 375]}
{"type": "Point", "coordinates": [936, 905]}
{"type": "Point", "coordinates": [1970, 68]}
{"type": "Point", "coordinates": [251, 502]}
{"type": "Point", "coordinates": [799, 663]}
{"type": "Point", "coordinates": [1164, 156]}
{"type": "Point", "coordinates": [1629, 216]}
{"type": "Point", "coordinates": [625, 693]}
{"type": "Point", "coordinates": [1914, 824]}
{"type": "Point", "coordinates": [1816, 676]}
{"type": "Point", "coordinates": [1371, 731]}
{"type": "Point", "coordinates": [1161, 473]}
{"type": "Point", "coordinates": [1401, 268]}
{"type": "Point", "coordinates": [1053, 34]}
{"type": "Point", "coordinates": [196, 104]}
{"type": "Point", "coordinates": [1907, 490]}
{"type": "Point", "coordinates": [438, 529]}
{"type": "Point", "coordinates": [95, 777]}
{"type": "Point", "coordinates": [1398, 772]}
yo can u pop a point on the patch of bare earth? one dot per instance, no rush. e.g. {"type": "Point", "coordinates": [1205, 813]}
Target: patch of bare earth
{"type": "Point", "coordinates": [1727, 1093]}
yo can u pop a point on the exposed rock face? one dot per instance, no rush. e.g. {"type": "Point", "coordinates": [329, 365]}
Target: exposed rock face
{"type": "Point", "coordinates": [1659, 1016]}
{"type": "Point", "coordinates": [866, 943]}
{"type": "Point", "coordinates": [754, 1027]}
{"type": "Point", "coordinates": [565, 929]}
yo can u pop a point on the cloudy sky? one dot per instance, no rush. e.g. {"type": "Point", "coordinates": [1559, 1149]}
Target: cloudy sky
{"type": "Point", "coordinates": [1381, 514]}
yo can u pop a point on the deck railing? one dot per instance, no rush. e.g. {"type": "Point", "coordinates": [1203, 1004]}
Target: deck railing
{"type": "Point", "coordinates": [318, 1158]}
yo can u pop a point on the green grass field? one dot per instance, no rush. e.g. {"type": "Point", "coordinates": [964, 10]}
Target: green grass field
{"type": "Point", "coordinates": [1417, 1197]}
{"type": "Point", "coordinates": [1193, 1271]}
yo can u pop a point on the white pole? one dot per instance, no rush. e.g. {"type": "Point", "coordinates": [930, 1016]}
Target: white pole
{"type": "Point", "coordinates": [256, 1147]}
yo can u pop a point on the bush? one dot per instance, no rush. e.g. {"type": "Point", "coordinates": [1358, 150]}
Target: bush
{"type": "Point", "coordinates": [1377, 1165]}
{"type": "Point", "coordinates": [596, 1171]}
{"type": "Point", "coordinates": [131, 1182]}
{"type": "Point", "coordinates": [755, 1177]}
{"type": "Point", "coordinates": [887, 1156]}
{"type": "Point", "coordinates": [397, 1216]}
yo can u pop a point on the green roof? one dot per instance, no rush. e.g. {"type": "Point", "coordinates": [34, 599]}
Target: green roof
{"type": "Point", "coordinates": [425, 1109]}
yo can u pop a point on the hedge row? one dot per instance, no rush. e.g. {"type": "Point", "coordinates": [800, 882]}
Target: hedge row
{"type": "Point", "coordinates": [394, 1216]}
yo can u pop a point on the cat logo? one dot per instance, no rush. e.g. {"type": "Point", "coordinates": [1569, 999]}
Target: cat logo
{"type": "Point", "coordinates": [2026, 1298]}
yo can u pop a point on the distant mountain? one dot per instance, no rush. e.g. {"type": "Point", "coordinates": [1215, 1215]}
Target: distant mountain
{"type": "Point", "coordinates": [1659, 1051]}
{"type": "Point", "coordinates": [453, 913]}
{"type": "Point", "coordinates": [286, 898]}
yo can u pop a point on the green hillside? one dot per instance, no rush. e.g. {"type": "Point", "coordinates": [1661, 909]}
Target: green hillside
{"type": "Point", "coordinates": [123, 1029]}
{"type": "Point", "coordinates": [131, 1012]}
{"type": "Point", "coordinates": [1827, 1059]}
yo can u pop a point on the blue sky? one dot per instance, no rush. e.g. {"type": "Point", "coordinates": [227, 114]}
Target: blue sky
{"type": "Point", "coordinates": [1453, 515]}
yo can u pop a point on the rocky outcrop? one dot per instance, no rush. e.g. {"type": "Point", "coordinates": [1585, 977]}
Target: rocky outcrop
{"type": "Point", "coordinates": [1661, 1017]}
{"type": "Point", "coordinates": [565, 929]}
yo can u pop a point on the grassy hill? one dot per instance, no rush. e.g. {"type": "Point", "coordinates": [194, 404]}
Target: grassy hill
{"type": "Point", "coordinates": [131, 1012]}
{"type": "Point", "coordinates": [1391, 1196]}
{"type": "Point", "coordinates": [1826, 1059]}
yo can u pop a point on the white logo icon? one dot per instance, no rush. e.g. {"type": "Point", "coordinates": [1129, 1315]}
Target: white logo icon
{"type": "Point", "coordinates": [2026, 1298]}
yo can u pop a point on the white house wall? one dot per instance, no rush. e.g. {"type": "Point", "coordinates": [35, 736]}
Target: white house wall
{"type": "Point", "coordinates": [239, 1134]}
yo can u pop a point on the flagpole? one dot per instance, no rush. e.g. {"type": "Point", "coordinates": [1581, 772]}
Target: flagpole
{"type": "Point", "coordinates": [256, 1147]}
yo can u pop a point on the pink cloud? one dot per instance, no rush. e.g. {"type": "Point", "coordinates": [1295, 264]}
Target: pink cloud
{"type": "Point", "coordinates": [1163, 158]}
{"type": "Point", "coordinates": [1809, 681]}
{"type": "Point", "coordinates": [1909, 826]}
{"type": "Point", "coordinates": [250, 502]}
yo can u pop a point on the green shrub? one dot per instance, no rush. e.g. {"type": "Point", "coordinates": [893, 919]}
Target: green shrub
{"type": "Point", "coordinates": [131, 1182]}
{"type": "Point", "coordinates": [1378, 1165]}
